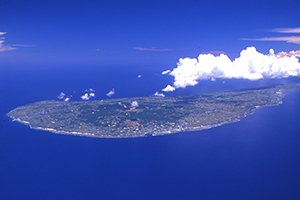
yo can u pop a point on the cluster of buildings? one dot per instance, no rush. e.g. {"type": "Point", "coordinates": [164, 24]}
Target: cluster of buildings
{"type": "Point", "coordinates": [133, 117]}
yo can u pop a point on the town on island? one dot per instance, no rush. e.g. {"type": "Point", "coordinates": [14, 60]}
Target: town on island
{"type": "Point", "coordinates": [146, 116]}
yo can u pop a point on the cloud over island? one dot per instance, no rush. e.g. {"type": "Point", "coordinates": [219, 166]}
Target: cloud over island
{"type": "Point", "coordinates": [111, 92]}
{"type": "Point", "coordinates": [251, 65]}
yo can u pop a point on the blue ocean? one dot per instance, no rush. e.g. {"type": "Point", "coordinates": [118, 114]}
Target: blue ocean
{"type": "Point", "coordinates": [255, 158]}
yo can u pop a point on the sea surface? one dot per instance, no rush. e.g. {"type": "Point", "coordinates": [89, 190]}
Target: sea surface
{"type": "Point", "coordinates": [255, 158]}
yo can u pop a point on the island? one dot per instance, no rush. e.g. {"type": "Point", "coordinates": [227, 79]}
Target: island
{"type": "Point", "coordinates": [146, 116]}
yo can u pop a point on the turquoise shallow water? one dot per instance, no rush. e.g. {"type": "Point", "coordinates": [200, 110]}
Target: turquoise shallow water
{"type": "Point", "coordinates": [255, 158]}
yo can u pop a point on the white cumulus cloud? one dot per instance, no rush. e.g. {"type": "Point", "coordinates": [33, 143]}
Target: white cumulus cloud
{"type": "Point", "coordinates": [291, 53]}
{"type": "Point", "coordinates": [64, 97]}
{"type": "Point", "coordinates": [87, 96]}
{"type": "Point", "coordinates": [61, 95]}
{"type": "Point", "coordinates": [250, 65]}
{"type": "Point", "coordinates": [169, 88]}
{"type": "Point", "coordinates": [166, 72]}
{"type": "Point", "coordinates": [134, 104]}
{"type": "Point", "coordinates": [92, 94]}
{"type": "Point", "coordinates": [159, 94]}
{"type": "Point", "coordinates": [111, 92]}
{"type": "Point", "coordinates": [122, 105]}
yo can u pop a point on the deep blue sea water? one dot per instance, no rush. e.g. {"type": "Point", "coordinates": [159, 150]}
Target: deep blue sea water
{"type": "Point", "coordinates": [255, 158]}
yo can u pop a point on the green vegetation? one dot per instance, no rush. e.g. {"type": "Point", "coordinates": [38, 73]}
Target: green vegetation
{"type": "Point", "coordinates": [153, 115]}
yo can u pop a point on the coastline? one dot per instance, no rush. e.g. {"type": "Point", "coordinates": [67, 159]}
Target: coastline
{"type": "Point", "coordinates": [223, 109]}
{"type": "Point", "coordinates": [182, 130]}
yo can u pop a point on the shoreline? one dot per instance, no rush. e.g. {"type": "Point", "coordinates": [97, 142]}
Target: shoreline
{"type": "Point", "coordinates": [212, 110]}
{"type": "Point", "coordinates": [183, 130]}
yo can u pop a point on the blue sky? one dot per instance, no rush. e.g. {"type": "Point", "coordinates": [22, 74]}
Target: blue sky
{"type": "Point", "coordinates": [140, 32]}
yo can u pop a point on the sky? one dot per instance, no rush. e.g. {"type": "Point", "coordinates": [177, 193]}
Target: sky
{"type": "Point", "coordinates": [141, 32]}
{"type": "Point", "coordinates": [192, 40]}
